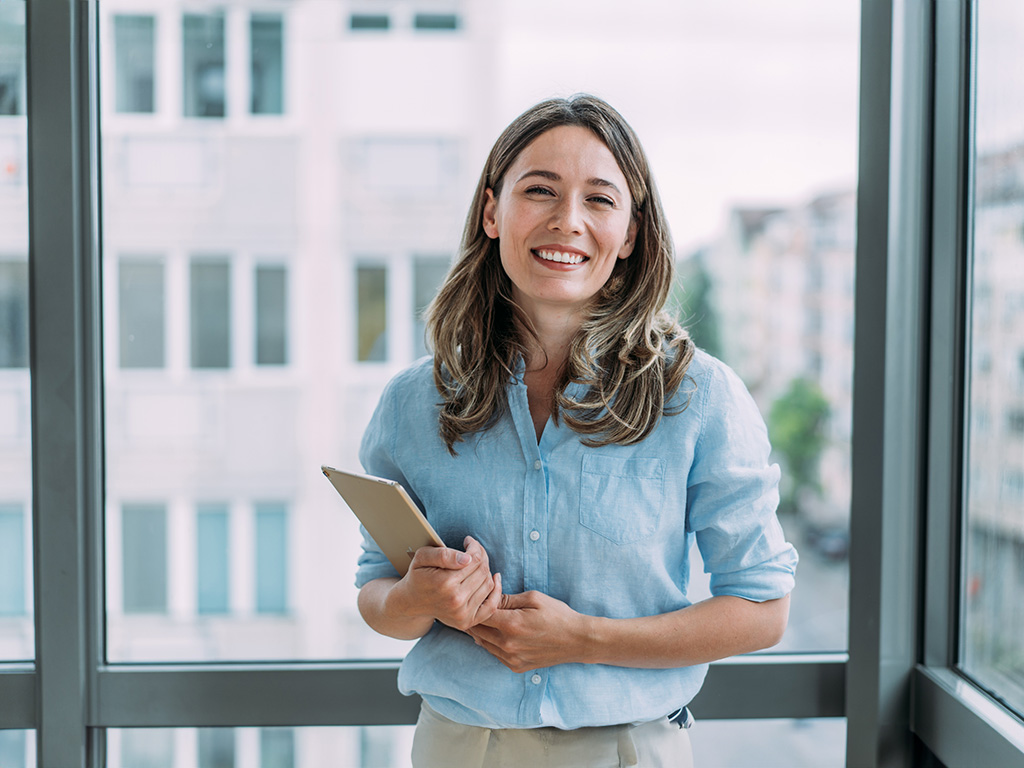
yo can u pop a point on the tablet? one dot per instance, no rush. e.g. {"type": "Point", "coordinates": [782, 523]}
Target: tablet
{"type": "Point", "coordinates": [388, 514]}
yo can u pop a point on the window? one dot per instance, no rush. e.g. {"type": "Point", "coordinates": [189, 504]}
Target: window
{"type": "Point", "coordinates": [147, 748]}
{"type": "Point", "coordinates": [212, 559]}
{"type": "Point", "coordinates": [362, 22]}
{"type": "Point", "coordinates": [13, 314]}
{"type": "Point", "coordinates": [267, 65]}
{"type": "Point", "coordinates": [271, 558]}
{"type": "Point", "coordinates": [12, 59]}
{"type": "Point", "coordinates": [271, 315]}
{"type": "Point", "coordinates": [372, 318]}
{"type": "Point", "coordinates": [992, 634]}
{"type": "Point", "coordinates": [144, 558]}
{"type": "Point", "coordinates": [135, 68]}
{"type": "Point", "coordinates": [445, 22]}
{"type": "Point", "coordinates": [142, 312]}
{"type": "Point", "coordinates": [428, 274]}
{"type": "Point", "coordinates": [277, 748]}
{"type": "Point", "coordinates": [12, 749]}
{"type": "Point", "coordinates": [210, 315]}
{"type": "Point", "coordinates": [13, 568]}
{"type": "Point", "coordinates": [204, 79]}
{"type": "Point", "coordinates": [216, 748]}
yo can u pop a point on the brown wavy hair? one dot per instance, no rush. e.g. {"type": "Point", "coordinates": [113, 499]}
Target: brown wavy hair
{"type": "Point", "coordinates": [629, 354]}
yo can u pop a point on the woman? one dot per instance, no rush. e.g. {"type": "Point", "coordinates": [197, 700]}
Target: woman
{"type": "Point", "coordinates": [571, 437]}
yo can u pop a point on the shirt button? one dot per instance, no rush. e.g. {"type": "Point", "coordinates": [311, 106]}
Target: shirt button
{"type": "Point", "coordinates": [534, 535]}
{"type": "Point", "coordinates": [535, 679]}
{"type": "Point", "coordinates": [537, 464]}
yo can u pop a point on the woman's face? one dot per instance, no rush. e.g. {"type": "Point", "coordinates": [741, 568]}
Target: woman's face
{"type": "Point", "coordinates": [562, 219]}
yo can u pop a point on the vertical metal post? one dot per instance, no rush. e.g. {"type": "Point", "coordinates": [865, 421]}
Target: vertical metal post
{"type": "Point", "coordinates": [63, 286]}
{"type": "Point", "coordinates": [889, 384]}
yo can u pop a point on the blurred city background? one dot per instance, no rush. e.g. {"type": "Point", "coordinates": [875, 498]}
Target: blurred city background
{"type": "Point", "coordinates": [284, 185]}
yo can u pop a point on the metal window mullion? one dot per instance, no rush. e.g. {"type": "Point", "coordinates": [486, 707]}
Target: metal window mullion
{"type": "Point", "coordinates": [889, 358]}
{"type": "Point", "coordinates": [790, 686]}
{"type": "Point", "coordinates": [951, 214]}
{"type": "Point", "coordinates": [64, 328]}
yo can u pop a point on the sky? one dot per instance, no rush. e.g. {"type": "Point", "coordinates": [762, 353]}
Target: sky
{"type": "Point", "coordinates": [739, 102]}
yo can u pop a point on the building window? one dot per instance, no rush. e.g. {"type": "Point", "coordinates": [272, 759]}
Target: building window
{"type": "Point", "coordinates": [144, 557]}
{"type": "Point", "coordinates": [277, 748]}
{"type": "Point", "coordinates": [427, 275]}
{"type": "Point", "coordinates": [203, 57]}
{"type": "Point", "coordinates": [443, 22]}
{"type": "Point", "coordinates": [216, 747]}
{"type": "Point", "coordinates": [13, 314]}
{"type": "Point", "coordinates": [12, 58]}
{"type": "Point", "coordinates": [372, 309]}
{"type": "Point", "coordinates": [267, 64]}
{"type": "Point", "coordinates": [141, 313]}
{"type": "Point", "coordinates": [271, 315]}
{"type": "Point", "coordinates": [363, 22]}
{"type": "Point", "coordinates": [210, 313]}
{"type": "Point", "coordinates": [12, 561]}
{"type": "Point", "coordinates": [147, 747]}
{"type": "Point", "coordinates": [271, 558]}
{"type": "Point", "coordinates": [212, 559]}
{"type": "Point", "coordinates": [134, 56]}
{"type": "Point", "coordinates": [12, 749]}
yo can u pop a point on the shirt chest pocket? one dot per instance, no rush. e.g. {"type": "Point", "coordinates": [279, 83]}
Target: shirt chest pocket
{"type": "Point", "coordinates": [621, 498]}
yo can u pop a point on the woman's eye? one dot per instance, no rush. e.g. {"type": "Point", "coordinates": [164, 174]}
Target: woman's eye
{"type": "Point", "coordinates": [538, 191]}
{"type": "Point", "coordinates": [602, 200]}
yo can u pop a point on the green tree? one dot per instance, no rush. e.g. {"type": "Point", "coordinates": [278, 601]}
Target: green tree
{"type": "Point", "coordinates": [796, 423]}
{"type": "Point", "coordinates": [691, 300]}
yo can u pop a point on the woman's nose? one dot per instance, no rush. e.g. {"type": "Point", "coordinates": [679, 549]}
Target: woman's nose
{"type": "Point", "coordinates": [568, 216]}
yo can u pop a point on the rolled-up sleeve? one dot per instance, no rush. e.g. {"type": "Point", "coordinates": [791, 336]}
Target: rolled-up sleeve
{"type": "Point", "coordinates": [733, 494]}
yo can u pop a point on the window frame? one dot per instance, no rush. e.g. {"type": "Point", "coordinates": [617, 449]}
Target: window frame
{"type": "Point", "coordinates": [70, 695]}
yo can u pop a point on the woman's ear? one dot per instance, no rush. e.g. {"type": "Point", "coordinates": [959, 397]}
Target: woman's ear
{"type": "Point", "coordinates": [489, 221]}
{"type": "Point", "coordinates": [627, 247]}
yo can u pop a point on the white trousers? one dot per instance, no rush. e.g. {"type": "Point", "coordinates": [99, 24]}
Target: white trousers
{"type": "Point", "coordinates": [443, 743]}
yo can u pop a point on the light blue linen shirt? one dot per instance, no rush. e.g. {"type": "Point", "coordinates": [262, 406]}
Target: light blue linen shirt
{"type": "Point", "coordinates": [606, 530]}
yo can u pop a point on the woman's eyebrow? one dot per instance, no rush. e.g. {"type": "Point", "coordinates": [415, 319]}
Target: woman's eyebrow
{"type": "Point", "coordinates": [552, 176]}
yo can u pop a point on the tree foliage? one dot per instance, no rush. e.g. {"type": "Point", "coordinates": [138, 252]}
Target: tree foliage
{"type": "Point", "coordinates": [797, 423]}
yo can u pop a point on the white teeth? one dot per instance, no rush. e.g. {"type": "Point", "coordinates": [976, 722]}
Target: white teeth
{"type": "Point", "coordinates": [560, 257]}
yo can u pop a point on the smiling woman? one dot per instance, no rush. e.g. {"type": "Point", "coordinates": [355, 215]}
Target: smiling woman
{"type": "Point", "coordinates": [546, 639]}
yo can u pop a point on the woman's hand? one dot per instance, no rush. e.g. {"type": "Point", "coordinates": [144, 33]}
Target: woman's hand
{"type": "Point", "coordinates": [456, 588]}
{"type": "Point", "coordinates": [453, 587]}
{"type": "Point", "coordinates": [531, 630]}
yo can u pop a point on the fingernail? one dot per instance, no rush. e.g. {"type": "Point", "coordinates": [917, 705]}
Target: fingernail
{"type": "Point", "coordinates": [462, 558]}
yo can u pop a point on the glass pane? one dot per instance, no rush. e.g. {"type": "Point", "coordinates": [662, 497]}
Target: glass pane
{"type": "Point", "coordinates": [216, 748]}
{"type": "Point", "coordinates": [144, 533]}
{"type": "Point", "coordinates": [134, 52]}
{"type": "Point", "coordinates": [141, 313]}
{"type": "Point", "coordinates": [204, 78]}
{"type": "Point", "coordinates": [817, 743]}
{"type": "Point", "coordinates": [18, 749]}
{"type": "Point", "coordinates": [717, 743]}
{"type": "Point", "coordinates": [267, 71]}
{"type": "Point", "coordinates": [271, 316]}
{"type": "Point", "coordinates": [428, 274]}
{"type": "Point", "coordinates": [373, 314]}
{"type": "Point", "coordinates": [271, 558]}
{"type": "Point", "coordinates": [212, 552]}
{"type": "Point", "coordinates": [992, 649]}
{"type": "Point", "coordinates": [17, 631]}
{"type": "Point", "coordinates": [296, 250]}
{"type": "Point", "coordinates": [353, 747]}
{"type": "Point", "coordinates": [211, 314]}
